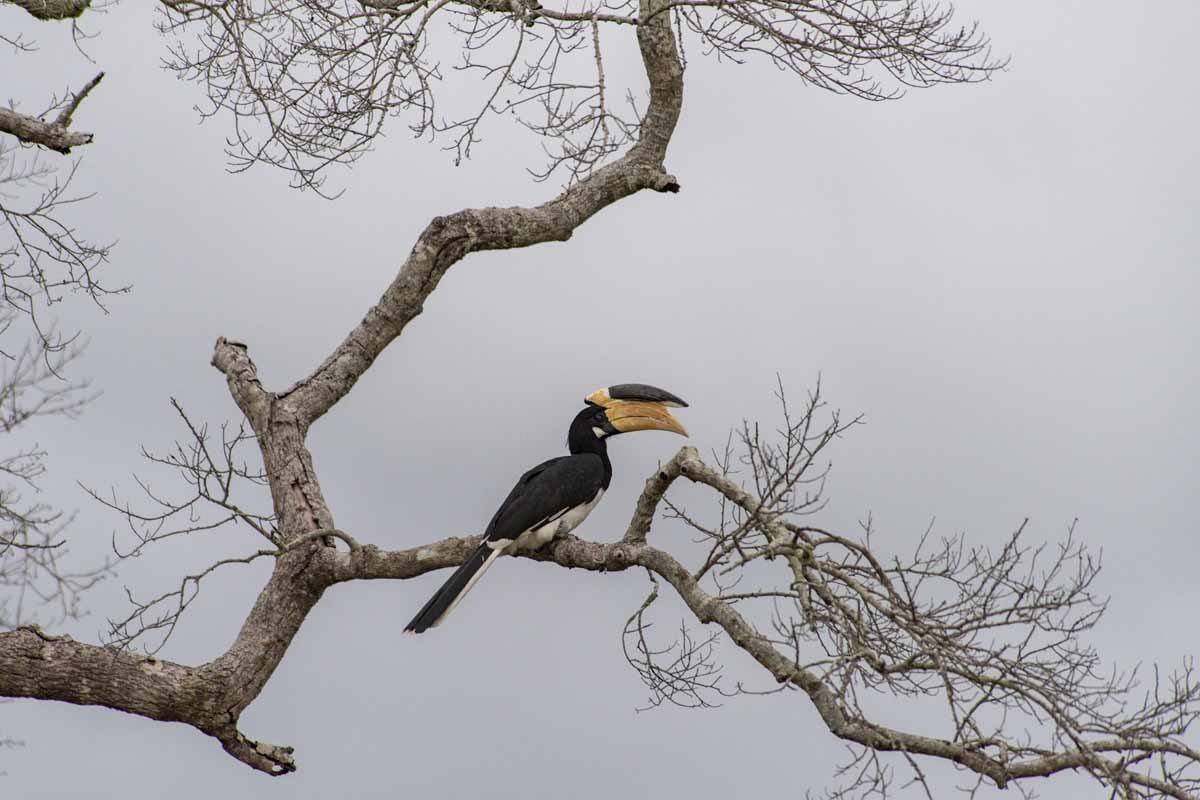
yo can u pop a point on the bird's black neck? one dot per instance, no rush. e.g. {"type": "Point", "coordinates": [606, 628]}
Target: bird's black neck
{"type": "Point", "coordinates": [582, 439]}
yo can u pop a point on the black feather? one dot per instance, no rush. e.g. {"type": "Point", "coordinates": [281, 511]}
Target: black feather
{"type": "Point", "coordinates": [444, 597]}
{"type": "Point", "coordinates": [644, 392]}
{"type": "Point", "coordinates": [548, 491]}
{"type": "Point", "coordinates": [542, 495]}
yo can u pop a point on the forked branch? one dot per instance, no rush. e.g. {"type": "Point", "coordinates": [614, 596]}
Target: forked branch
{"type": "Point", "coordinates": [56, 134]}
{"type": "Point", "coordinates": [995, 639]}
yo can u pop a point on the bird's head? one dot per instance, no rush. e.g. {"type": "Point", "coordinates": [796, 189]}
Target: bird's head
{"type": "Point", "coordinates": [625, 408]}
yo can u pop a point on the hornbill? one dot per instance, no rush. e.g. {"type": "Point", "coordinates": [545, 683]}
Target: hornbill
{"type": "Point", "coordinates": [556, 495]}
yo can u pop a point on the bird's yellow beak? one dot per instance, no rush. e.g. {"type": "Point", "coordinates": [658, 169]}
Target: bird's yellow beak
{"type": "Point", "coordinates": [636, 415]}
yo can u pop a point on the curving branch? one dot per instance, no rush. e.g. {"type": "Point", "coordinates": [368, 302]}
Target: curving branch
{"type": "Point", "coordinates": [448, 239]}
{"type": "Point", "coordinates": [305, 563]}
{"type": "Point", "coordinates": [992, 638]}
{"type": "Point", "coordinates": [212, 697]}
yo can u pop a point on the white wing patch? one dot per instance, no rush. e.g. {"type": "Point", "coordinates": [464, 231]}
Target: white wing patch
{"type": "Point", "coordinates": [564, 522]}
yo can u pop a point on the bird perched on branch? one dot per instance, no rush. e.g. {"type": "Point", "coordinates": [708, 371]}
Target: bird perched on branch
{"type": "Point", "coordinates": [555, 496]}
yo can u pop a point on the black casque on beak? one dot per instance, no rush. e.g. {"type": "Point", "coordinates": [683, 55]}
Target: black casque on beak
{"type": "Point", "coordinates": [638, 407]}
{"type": "Point", "coordinates": [635, 391]}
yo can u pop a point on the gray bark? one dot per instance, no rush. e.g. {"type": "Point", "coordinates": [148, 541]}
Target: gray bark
{"type": "Point", "coordinates": [55, 135]}
{"type": "Point", "coordinates": [53, 9]}
{"type": "Point", "coordinates": [211, 697]}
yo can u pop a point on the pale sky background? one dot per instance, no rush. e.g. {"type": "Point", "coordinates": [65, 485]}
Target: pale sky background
{"type": "Point", "coordinates": [1002, 277]}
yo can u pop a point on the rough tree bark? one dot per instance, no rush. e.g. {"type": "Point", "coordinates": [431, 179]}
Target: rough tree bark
{"type": "Point", "coordinates": [53, 9]}
{"type": "Point", "coordinates": [211, 697]}
{"type": "Point", "coordinates": [55, 135]}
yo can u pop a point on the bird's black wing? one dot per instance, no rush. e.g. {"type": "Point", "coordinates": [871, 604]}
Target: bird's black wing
{"type": "Point", "coordinates": [546, 492]}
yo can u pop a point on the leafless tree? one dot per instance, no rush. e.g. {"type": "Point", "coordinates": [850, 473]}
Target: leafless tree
{"type": "Point", "coordinates": [995, 638]}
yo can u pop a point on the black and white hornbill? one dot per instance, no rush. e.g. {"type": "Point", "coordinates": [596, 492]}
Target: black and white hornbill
{"type": "Point", "coordinates": [556, 495]}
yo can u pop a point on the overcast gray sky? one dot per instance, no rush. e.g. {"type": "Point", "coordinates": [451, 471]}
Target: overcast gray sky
{"type": "Point", "coordinates": [1002, 277]}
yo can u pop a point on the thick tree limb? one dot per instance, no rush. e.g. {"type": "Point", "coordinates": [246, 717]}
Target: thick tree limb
{"type": "Point", "coordinates": [32, 130]}
{"type": "Point", "coordinates": [53, 9]}
{"type": "Point", "coordinates": [233, 361]}
{"type": "Point", "coordinates": [281, 422]}
{"type": "Point", "coordinates": [647, 504]}
{"type": "Point", "coordinates": [212, 696]}
{"type": "Point", "coordinates": [55, 135]}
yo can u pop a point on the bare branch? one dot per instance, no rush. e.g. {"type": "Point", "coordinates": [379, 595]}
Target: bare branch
{"type": "Point", "coordinates": [217, 476]}
{"type": "Point", "coordinates": [993, 638]}
{"type": "Point", "coordinates": [55, 135]}
{"type": "Point", "coordinates": [448, 239]}
{"type": "Point", "coordinates": [852, 591]}
{"type": "Point", "coordinates": [42, 256]}
{"type": "Point", "coordinates": [72, 104]}
{"type": "Point", "coordinates": [683, 673]}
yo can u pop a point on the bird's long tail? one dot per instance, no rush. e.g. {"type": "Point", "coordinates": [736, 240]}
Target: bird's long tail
{"type": "Point", "coordinates": [453, 590]}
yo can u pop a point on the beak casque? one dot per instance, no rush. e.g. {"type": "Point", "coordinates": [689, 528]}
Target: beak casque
{"type": "Point", "coordinates": [635, 407]}
{"type": "Point", "coordinates": [635, 391]}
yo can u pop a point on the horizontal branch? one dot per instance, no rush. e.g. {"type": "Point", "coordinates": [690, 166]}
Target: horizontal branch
{"type": "Point", "coordinates": [574, 553]}
{"type": "Point", "coordinates": [55, 135]}
{"type": "Point", "coordinates": [211, 697]}
{"type": "Point", "coordinates": [34, 664]}
{"type": "Point", "coordinates": [633, 551]}
{"type": "Point", "coordinates": [37, 665]}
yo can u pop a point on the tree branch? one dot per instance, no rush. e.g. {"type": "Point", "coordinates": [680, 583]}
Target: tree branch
{"type": "Point", "coordinates": [647, 503]}
{"type": "Point", "coordinates": [448, 239]}
{"type": "Point", "coordinates": [256, 61]}
{"type": "Point", "coordinates": [574, 553]}
{"type": "Point", "coordinates": [47, 10]}
{"type": "Point", "coordinates": [232, 359]}
{"type": "Point", "coordinates": [54, 135]}
{"type": "Point", "coordinates": [211, 697]}
{"type": "Point", "coordinates": [870, 625]}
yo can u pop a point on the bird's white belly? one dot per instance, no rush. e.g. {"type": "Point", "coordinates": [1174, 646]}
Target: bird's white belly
{"type": "Point", "coordinates": [536, 537]}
